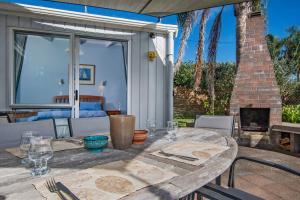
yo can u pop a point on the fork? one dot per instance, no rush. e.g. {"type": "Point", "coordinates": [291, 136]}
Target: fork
{"type": "Point", "coordinates": [51, 185]}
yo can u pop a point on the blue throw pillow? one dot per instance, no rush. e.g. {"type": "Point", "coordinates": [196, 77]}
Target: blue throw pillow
{"type": "Point", "coordinates": [90, 106]}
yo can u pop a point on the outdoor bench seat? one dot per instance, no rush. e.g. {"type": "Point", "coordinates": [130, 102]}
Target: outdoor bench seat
{"type": "Point", "coordinates": [293, 130]}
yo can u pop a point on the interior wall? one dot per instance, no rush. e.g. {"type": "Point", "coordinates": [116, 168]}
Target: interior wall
{"type": "Point", "coordinates": [109, 67]}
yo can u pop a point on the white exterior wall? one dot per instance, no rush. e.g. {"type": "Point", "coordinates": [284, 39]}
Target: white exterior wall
{"type": "Point", "coordinates": [147, 80]}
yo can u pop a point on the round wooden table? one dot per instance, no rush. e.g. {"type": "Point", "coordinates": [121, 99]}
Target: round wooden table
{"type": "Point", "coordinates": [16, 181]}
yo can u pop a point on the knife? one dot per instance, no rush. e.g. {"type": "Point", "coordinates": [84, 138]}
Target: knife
{"type": "Point", "coordinates": [74, 141]}
{"type": "Point", "coordinates": [178, 156]}
{"type": "Point", "coordinates": [63, 188]}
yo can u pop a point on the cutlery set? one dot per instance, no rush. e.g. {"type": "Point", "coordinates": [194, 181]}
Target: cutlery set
{"type": "Point", "coordinates": [178, 156]}
{"type": "Point", "coordinates": [58, 188]}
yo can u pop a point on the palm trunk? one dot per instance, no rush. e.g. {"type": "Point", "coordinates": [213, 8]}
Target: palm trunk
{"type": "Point", "coordinates": [199, 63]}
{"type": "Point", "coordinates": [241, 11]}
{"type": "Point", "coordinates": [185, 35]}
{"type": "Point", "coordinates": [212, 55]}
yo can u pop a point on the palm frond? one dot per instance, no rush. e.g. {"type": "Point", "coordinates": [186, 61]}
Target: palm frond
{"type": "Point", "coordinates": [186, 22]}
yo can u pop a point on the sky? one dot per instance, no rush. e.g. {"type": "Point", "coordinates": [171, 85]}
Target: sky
{"type": "Point", "coordinates": [281, 14]}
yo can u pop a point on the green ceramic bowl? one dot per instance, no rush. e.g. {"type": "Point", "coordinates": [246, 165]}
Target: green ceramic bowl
{"type": "Point", "coordinates": [95, 142]}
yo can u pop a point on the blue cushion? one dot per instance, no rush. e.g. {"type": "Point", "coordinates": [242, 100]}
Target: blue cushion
{"type": "Point", "coordinates": [90, 106]}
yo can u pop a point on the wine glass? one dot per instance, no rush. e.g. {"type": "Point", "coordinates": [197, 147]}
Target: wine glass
{"type": "Point", "coordinates": [25, 145]}
{"type": "Point", "coordinates": [172, 130]}
{"type": "Point", "coordinates": [151, 126]}
{"type": "Point", "coordinates": [40, 152]}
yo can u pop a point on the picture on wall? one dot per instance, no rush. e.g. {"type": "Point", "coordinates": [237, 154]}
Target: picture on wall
{"type": "Point", "coordinates": [86, 74]}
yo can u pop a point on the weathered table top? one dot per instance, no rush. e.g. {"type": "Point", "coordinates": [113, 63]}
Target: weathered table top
{"type": "Point", "coordinates": [16, 181]}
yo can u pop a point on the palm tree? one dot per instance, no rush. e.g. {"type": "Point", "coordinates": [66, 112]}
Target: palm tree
{"type": "Point", "coordinates": [185, 21]}
{"type": "Point", "coordinates": [212, 55]}
{"type": "Point", "coordinates": [199, 61]}
{"type": "Point", "coordinates": [241, 11]}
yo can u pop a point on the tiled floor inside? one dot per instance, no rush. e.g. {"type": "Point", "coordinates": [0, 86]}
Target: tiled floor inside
{"type": "Point", "coordinates": [263, 181]}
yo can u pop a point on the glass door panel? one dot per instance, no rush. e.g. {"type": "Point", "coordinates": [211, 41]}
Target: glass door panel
{"type": "Point", "coordinates": [41, 66]}
{"type": "Point", "coordinates": [102, 76]}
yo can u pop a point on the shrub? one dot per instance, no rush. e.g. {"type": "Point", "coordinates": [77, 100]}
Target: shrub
{"type": "Point", "coordinates": [291, 113]}
{"type": "Point", "coordinates": [224, 81]}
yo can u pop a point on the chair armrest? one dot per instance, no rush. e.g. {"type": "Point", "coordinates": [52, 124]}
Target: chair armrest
{"type": "Point", "coordinates": [259, 161]}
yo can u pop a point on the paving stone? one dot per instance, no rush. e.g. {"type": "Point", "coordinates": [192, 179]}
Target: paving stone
{"type": "Point", "coordinates": [253, 188]}
{"type": "Point", "coordinates": [263, 181]}
{"type": "Point", "coordinates": [257, 179]}
{"type": "Point", "coordinates": [283, 191]}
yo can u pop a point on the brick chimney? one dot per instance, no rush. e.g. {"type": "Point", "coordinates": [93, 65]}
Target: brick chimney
{"type": "Point", "coordinates": [255, 83]}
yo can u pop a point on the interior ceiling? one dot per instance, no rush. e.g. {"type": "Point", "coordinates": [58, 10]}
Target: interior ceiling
{"type": "Point", "coordinates": [156, 8]}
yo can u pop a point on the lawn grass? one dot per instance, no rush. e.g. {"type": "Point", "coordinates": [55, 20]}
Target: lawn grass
{"type": "Point", "coordinates": [183, 122]}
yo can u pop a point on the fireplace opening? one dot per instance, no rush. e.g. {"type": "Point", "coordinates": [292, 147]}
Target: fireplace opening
{"type": "Point", "coordinates": [255, 119]}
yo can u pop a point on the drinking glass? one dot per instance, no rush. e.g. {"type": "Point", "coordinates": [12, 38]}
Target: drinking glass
{"type": "Point", "coordinates": [39, 153]}
{"type": "Point", "coordinates": [151, 127]}
{"type": "Point", "coordinates": [172, 130]}
{"type": "Point", "coordinates": [25, 145]}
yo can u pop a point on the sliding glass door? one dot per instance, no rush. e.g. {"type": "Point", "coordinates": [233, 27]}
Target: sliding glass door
{"type": "Point", "coordinates": [57, 79]}
{"type": "Point", "coordinates": [101, 77]}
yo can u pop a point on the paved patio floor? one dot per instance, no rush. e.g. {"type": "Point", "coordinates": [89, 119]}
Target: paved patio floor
{"type": "Point", "coordinates": [264, 181]}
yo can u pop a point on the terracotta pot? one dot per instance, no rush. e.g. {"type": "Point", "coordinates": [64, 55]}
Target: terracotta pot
{"type": "Point", "coordinates": [121, 130]}
{"type": "Point", "coordinates": [139, 136]}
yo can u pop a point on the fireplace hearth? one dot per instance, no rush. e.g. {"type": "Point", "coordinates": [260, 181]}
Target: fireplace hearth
{"type": "Point", "coordinates": [255, 119]}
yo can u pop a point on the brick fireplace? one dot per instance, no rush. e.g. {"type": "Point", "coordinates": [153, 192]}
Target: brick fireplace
{"type": "Point", "coordinates": [255, 85]}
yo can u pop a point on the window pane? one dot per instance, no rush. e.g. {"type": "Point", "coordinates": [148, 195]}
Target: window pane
{"type": "Point", "coordinates": [41, 67]}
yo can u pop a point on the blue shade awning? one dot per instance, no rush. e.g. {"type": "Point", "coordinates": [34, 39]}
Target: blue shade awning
{"type": "Point", "coordinates": [156, 8]}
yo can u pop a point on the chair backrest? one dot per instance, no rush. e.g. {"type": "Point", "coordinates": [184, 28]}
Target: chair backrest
{"type": "Point", "coordinates": [10, 133]}
{"type": "Point", "coordinates": [223, 123]}
{"type": "Point", "coordinates": [89, 126]}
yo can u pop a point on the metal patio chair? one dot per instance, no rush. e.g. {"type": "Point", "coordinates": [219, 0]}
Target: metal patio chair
{"type": "Point", "coordinates": [222, 124]}
{"type": "Point", "coordinates": [10, 133]}
{"type": "Point", "coordinates": [217, 192]}
{"type": "Point", "coordinates": [89, 126]}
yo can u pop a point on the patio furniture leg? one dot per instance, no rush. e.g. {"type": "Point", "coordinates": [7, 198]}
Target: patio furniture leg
{"type": "Point", "coordinates": [218, 180]}
{"type": "Point", "coordinates": [188, 197]}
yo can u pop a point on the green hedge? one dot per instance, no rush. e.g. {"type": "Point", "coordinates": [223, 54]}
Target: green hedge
{"type": "Point", "coordinates": [291, 113]}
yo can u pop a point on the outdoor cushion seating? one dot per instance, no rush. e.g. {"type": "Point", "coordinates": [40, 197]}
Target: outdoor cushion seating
{"type": "Point", "coordinates": [89, 126]}
{"type": "Point", "coordinates": [222, 124]}
{"type": "Point", "coordinates": [11, 133]}
{"type": "Point", "coordinates": [215, 192]}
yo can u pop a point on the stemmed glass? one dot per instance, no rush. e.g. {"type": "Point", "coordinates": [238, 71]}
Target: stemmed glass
{"type": "Point", "coordinates": [151, 126]}
{"type": "Point", "coordinates": [172, 130]}
{"type": "Point", "coordinates": [40, 152]}
{"type": "Point", "coordinates": [25, 145]}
